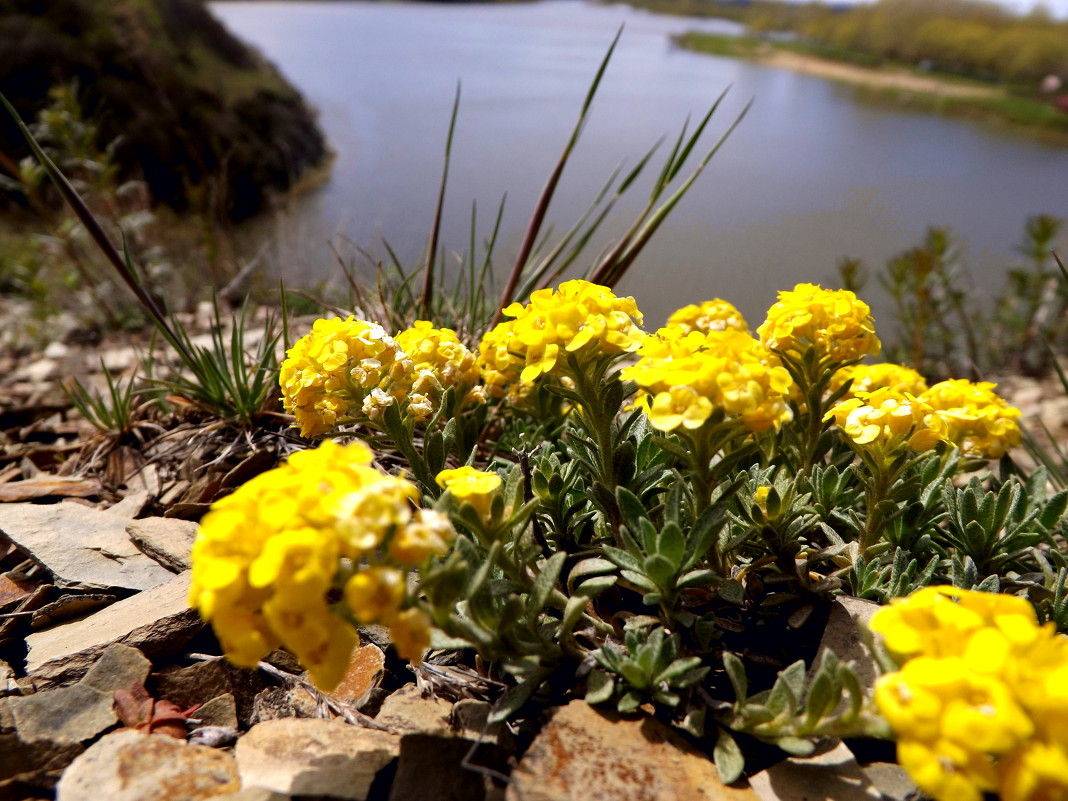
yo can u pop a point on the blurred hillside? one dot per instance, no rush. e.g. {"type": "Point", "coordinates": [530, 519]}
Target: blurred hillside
{"type": "Point", "coordinates": [203, 118]}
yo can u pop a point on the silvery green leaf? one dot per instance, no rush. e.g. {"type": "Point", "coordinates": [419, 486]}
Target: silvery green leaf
{"type": "Point", "coordinates": [599, 687]}
{"type": "Point", "coordinates": [736, 673]}
{"type": "Point", "coordinates": [796, 746]}
{"type": "Point", "coordinates": [728, 757]}
{"type": "Point", "coordinates": [546, 580]}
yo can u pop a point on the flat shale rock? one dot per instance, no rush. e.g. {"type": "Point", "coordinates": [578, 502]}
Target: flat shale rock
{"type": "Point", "coordinates": [834, 774]}
{"type": "Point", "coordinates": [157, 621]}
{"type": "Point", "coordinates": [314, 757]}
{"type": "Point", "coordinates": [118, 667]}
{"type": "Point", "coordinates": [432, 768]}
{"type": "Point", "coordinates": [407, 711]}
{"type": "Point", "coordinates": [167, 540]}
{"type": "Point", "coordinates": [67, 716]}
{"type": "Point", "coordinates": [203, 681]}
{"type": "Point", "coordinates": [363, 675]}
{"type": "Point", "coordinates": [131, 766]}
{"type": "Point", "coordinates": [83, 548]}
{"type": "Point", "coordinates": [582, 754]}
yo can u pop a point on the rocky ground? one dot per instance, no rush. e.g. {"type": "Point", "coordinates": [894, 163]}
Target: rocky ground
{"type": "Point", "coordinates": [110, 687]}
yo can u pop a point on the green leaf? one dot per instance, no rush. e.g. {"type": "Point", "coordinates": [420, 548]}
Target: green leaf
{"type": "Point", "coordinates": [736, 673]}
{"type": "Point", "coordinates": [593, 587]}
{"type": "Point", "coordinates": [731, 591]}
{"type": "Point", "coordinates": [631, 508]}
{"type": "Point", "coordinates": [514, 697]}
{"type": "Point", "coordinates": [728, 757]}
{"type": "Point", "coordinates": [660, 570]}
{"type": "Point", "coordinates": [796, 746]}
{"type": "Point", "coordinates": [1053, 512]}
{"type": "Point", "coordinates": [546, 580]}
{"type": "Point", "coordinates": [629, 702]}
{"type": "Point", "coordinates": [622, 558]}
{"type": "Point", "coordinates": [599, 687]}
{"type": "Point", "coordinates": [671, 544]}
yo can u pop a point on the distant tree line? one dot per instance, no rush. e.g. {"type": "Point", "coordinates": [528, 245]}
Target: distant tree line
{"type": "Point", "coordinates": [967, 37]}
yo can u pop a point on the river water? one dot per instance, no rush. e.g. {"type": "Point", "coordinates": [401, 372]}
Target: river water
{"type": "Point", "coordinates": [810, 176]}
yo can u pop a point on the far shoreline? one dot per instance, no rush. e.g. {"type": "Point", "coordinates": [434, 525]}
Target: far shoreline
{"type": "Point", "coordinates": [950, 95]}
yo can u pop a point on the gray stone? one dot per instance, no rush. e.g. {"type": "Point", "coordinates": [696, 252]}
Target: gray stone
{"type": "Point", "coordinates": [67, 716]}
{"type": "Point", "coordinates": [432, 768]}
{"type": "Point", "coordinates": [314, 757]}
{"type": "Point", "coordinates": [83, 548]}
{"type": "Point", "coordinates": [157, 621]}
{"type": "Point", "coordinates": [168, 540]}
{"type": "Point", "coordinates": [844, 636]}
{"type": "Point", "coordinates": [201, 682]}
{"type": "Point", "coordinates": [19, 758]}
{"type": "Point", "coordinates": [407, 711]}
{"type": "Point", "coordinates": [276, 703]}
{"type": "Point", "coordinates": [470, 718]}
{"type": "Point", "coordinates": [592, 755]}
{"type": "Point", "coordinates": [833, 774]}
{"type": "Point", "coordinates": [219, 711]}
{"type": "Point", "coordinates": [117, 668]}
{"type": "Point", "coordinates": [130, 766]}
{"type": "Point", "coordinates": [891, 780]}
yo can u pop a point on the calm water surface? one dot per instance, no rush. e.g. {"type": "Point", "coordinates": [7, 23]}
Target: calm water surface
{"type": "Point", "coordinates": [810, 176]}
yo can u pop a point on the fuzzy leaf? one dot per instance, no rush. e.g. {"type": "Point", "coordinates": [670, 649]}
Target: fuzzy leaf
{"type": "Point", "coordinates": [736, 673]}
{"type": "Point", "coordinates": [728, 757]}
{"type": "Point", "coordinates": [546, 580]}
{"type": "Point", "coordinates": [599, 687]}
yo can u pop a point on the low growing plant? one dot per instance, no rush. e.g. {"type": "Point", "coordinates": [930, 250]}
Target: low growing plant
{"type": "Point", "coordinates": [640, 517]}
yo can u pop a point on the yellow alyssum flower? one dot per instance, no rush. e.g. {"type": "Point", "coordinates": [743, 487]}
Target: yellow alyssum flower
{"type": "Point", "coordinates": [687, 376]}
{"type": "Point", "coordinates": [268, 558]}
{"type": "Point", "coordinates": [980, 423]}
{"type": "Point", "coordinates": [501, 367]}
{"type": "Point", "coordinates": [375, 593]}
{"type": "Point", "coordinates": [410, 632]}
{"type": "Point", "coordinates": [887, 419]}
{"type": "Point", "coordinates": [328, 372]}
{"type": "Point", "coordinates": [870, 377]}
{"type": "Point", "coordinates": [429, 533]}
{"type": "Point", "coordinates": [475, 487]}
{"type": "Point", "coordinates": [578, 317]}
{"type": "Point", "coordinates": [712, 315]}
{"type": "Point", "coordinates": [834, 322]}
{"type": "Point", "coordinates": [980, 702]}
{"type": "Point", "coordinates": [440, 361]}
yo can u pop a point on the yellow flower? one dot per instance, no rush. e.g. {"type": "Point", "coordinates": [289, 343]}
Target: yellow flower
{"type": "Point", "coordinates": [327, 373]}
{"type": "Point", "coordinates": [578, 317]}
{"type": "Point", "coordinates": [375, 593]}
{"type": "Point", "coordinates": [1036, 772]}
{"type": "Point", "coordinates": [870, 377]}
{"type": "Point", "coordinates": [429, 533]}
{"type": "Point", "coordinates": [712, 315]}
{"type": "Point", "coordinates": [499, 365]}
{"type": "Point", "coordinates": [980, 423]}
{"type": "Point", "coordinates": [833, 322]}
{"type": "Point", "coordinates": [980, 702]}
{"type": "Point", "coordinates": [440, 362]}
{"type": "Point", "coordinates": [471, 486]}
{"type": "Point", "coordinates": [687, 375]}
{"type": "Point", "coordinates": [267, 557]}
{"type": "Point", "coordinates": [410, 632]}
{"type": "Point", "coordinates": [886, 420]}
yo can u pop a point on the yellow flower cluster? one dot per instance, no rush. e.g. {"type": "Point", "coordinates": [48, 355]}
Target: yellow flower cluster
{"type": "Point", "coordinates": [834, 322]}
{"type": "Point", "coordinates": [712, 315]}
{"type": "Point", "coordinates": [267, 558]}
{"type": "Point", "coordinates": [981, 702]}
{"type": "Point", "coordinates": [980, 423]}
{"type": "Point", "coordinates": [887, 419]}
{"type": "Point", "coordinates": [870, 377]}
{"type": "Point", "coordinates": [578, 317]}
{"type": "Point", "coordinates": [440, 361]}
{"type": "Point", "coordinates": [501, 367]}
{"type": "Point", "coordinates": [688, 375]}
{"type": "Point", "coordinates": [337, 370]}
